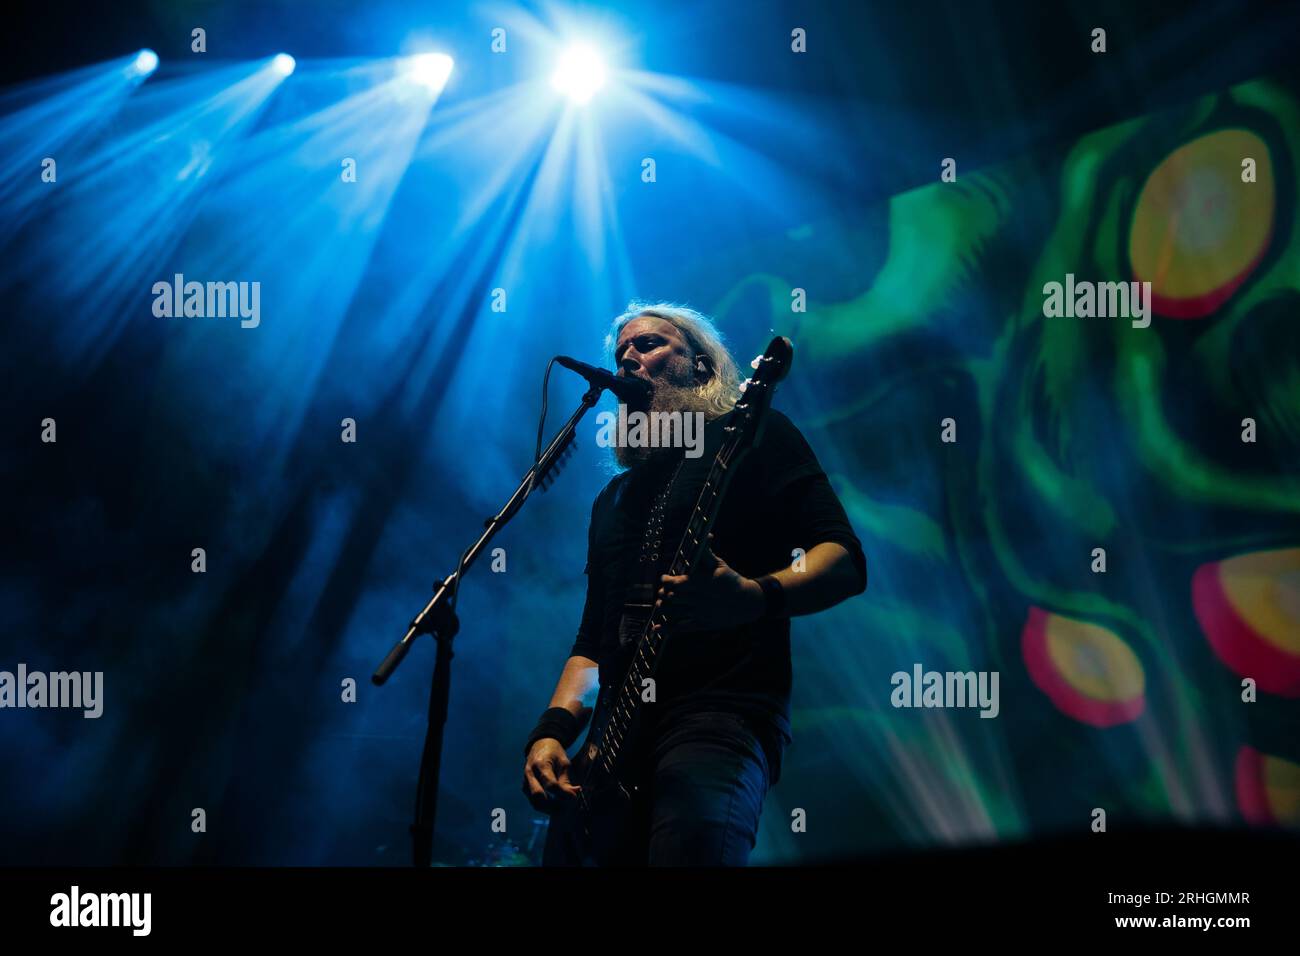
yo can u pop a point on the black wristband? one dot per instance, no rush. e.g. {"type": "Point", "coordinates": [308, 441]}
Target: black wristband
{"type": "Point", "coordinates": [773, 597]}
{"type": "Point", "coordinates": [556, 722]}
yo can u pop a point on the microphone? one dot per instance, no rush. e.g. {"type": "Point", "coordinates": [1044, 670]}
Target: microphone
{"type": "Point", "coordinates": [631, 391]}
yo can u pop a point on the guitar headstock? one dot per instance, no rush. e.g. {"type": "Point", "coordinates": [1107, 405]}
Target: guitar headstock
{"type": "Point", "coordinates": [770, 369]}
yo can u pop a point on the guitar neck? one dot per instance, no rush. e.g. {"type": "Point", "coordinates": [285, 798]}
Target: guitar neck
{"type": "Point", "coordinates": [625, 705]}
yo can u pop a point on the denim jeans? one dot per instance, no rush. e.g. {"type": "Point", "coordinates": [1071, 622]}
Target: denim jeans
{"type": "Point", "coordinates": [709, 774]}
{"type": "Point", "coordinates": [703, 777]}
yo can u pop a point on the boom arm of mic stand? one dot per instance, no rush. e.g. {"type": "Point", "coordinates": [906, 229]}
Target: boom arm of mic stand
{"type": "Point", "coordinates": [437, 616]}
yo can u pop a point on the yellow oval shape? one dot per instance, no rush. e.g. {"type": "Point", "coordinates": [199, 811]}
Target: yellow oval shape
{"type": "Point", "coordinates": [1198, 231]}
{"type": "Point", "coordinates": [1095, 660]}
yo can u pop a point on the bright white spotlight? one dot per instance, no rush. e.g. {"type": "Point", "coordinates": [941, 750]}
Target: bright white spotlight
{"type": "Point", "coordinates": [146, 61]}
{"type": "Point", "coordinates": [283, 64]}
{"type": "Point", "coordinates": [580, 73]}
{"type": "Point", "coordinates": [429, 70]}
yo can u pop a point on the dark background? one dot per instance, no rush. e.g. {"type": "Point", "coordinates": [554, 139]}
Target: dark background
{"type": "Point", "coordinates": [223, 689]}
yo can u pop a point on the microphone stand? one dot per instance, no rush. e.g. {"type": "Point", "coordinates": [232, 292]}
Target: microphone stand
{"type": "Point", "coordinates": [439, 619]}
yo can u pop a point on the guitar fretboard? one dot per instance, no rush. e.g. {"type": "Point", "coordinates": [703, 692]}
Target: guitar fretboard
{"type": "Point", "coordinates": [626, 704]}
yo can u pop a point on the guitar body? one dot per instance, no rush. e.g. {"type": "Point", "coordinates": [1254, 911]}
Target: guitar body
{"type": "Point", "coordinates": [606, 825]}
{"type": "Point", "coordinates": [603, 826]}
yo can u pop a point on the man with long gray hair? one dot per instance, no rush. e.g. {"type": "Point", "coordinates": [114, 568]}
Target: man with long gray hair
{"type": "Point", "coordinates": [713, 738]}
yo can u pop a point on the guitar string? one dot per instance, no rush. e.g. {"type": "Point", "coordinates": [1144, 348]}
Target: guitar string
{"type": "Point", "coordinates": [612, 745]}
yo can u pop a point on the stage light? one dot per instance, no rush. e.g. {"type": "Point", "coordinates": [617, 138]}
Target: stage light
{"type": "Point", "coordinates": [283, 64]}
{"type": "Point", "coordinates": [580, 73]}
{"type": "Point", "coordinates": [146, 61]}
{"type": "Point", "coordinates": [429, 70]}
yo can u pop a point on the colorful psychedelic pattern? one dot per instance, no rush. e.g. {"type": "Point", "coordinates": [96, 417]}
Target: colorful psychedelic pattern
{"type": "Point", "coordinates": [1114, 528]}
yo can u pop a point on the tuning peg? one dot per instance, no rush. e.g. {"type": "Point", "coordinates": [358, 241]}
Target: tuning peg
{"type": "Point", "coordinates": [758, 360]}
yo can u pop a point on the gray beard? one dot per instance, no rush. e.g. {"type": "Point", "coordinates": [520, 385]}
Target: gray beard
{"type": "Point", "coordinates": [669, 396]}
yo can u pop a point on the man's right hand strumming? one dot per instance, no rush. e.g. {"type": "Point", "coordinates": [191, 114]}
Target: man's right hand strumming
{"type": "Point", "coordinates": [546, 775]}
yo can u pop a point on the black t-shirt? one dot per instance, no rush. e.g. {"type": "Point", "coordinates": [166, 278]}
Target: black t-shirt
{"type": "Point", "coordinates": [779, 499]}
